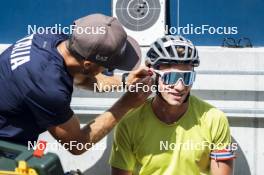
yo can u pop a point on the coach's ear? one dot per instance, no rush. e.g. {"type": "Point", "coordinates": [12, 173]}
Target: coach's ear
{"type": "Point", "coordinates": [87, 64]}
{"type": "Point", "coordinates": [92, 69]}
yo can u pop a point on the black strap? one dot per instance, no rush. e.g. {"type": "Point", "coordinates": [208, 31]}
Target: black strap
{"type": "Point", "coordinates": [124, 76]}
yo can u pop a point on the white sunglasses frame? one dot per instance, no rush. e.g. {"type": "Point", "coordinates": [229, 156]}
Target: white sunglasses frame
{"type": "Point", "coordinates": [161, 73]}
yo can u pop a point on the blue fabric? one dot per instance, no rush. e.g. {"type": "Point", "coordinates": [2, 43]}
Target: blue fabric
{"type": "Point", "coordinates": [35, 88]}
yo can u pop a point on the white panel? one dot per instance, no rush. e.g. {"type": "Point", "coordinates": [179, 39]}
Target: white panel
{"type": "Point", "coordinates": [242, 136]}
{"type": "Point", "coordinates": [229, 82]}
{"type": "Point", "coordinates": [231, 59]}
{"type": "Point", "coordinates": [259, 153]}
{"type": "Point", "coordinates": [232, 108]}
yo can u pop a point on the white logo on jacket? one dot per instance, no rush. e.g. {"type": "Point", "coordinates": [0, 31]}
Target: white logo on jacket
{"type": "Point", "coordinates": [101, 58]}
{"type": "Point", "coordinates": [21, 52]}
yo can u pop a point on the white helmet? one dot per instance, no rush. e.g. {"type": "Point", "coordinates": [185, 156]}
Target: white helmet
{"type": "Point", "coordinates": [166, 50]}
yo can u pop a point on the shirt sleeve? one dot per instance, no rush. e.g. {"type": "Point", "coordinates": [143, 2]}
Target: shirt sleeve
{"type": "Point", "coordinates": [222, 145]}
{"type": "Point", "coordinates": [50, 107]}
{"type": "Point", "coordinates": [122, 156]}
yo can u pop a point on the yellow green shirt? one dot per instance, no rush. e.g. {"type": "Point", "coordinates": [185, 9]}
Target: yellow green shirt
{"type": "Point", "coordinates": [147, 146]}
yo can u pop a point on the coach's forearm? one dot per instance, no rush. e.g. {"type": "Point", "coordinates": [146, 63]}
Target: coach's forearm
{"type": "Point", "coordinates": [90, 134]}
{"type": "Point", "coordinates": [95, 130]}
{"type": "Point", "coordinates": [103, 124]}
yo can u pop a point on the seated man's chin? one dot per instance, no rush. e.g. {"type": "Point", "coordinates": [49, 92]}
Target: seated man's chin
{"type": "Point", "coordinates": [174, 102]}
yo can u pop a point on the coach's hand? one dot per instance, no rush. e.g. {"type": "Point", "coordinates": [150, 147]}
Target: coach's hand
{"type": "Point", "coordinates": [138, 74]}
{"type": "Point", "coordinates": [138, 91]}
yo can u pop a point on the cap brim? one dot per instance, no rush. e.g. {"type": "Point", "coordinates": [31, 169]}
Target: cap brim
{"type": "Point", "coordinates": [131, 57]}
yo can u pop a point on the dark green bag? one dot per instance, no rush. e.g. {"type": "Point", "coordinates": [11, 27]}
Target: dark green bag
{"type": "Point", "coordinates": [11, 154]}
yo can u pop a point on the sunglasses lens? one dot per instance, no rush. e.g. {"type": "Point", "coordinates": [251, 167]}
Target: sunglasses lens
{"type": "Point", "coordinates": [187, 78]}
{"type": "Point", "coordinates": [170, 78]}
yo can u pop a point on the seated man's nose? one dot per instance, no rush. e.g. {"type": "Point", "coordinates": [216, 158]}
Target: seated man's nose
{"type": "Point", "coordinates": [179, 85]}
